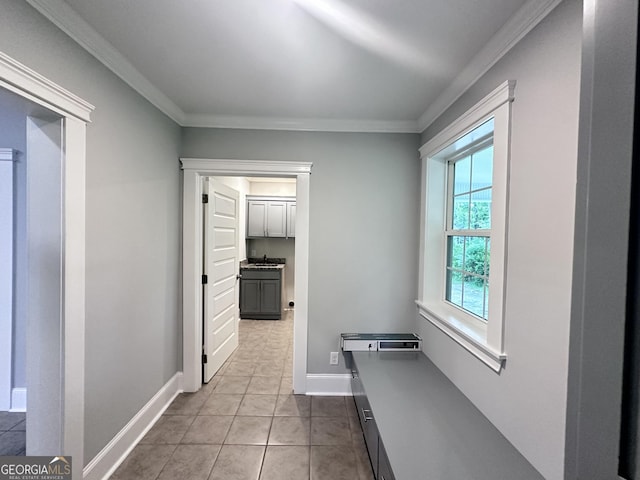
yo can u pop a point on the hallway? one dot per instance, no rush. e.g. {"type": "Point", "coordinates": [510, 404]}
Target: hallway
{"type": "Point", "coordinates": [246, 425]}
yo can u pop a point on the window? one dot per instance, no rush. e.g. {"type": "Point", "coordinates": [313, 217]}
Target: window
{"type": "Point", "coordinates": [468, 228]}
{"type": "Point", "coordinates": [464, 213]}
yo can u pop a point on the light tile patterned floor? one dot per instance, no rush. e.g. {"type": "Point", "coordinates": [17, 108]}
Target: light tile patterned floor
{"type": "Point", "coordinates": [246, 424]}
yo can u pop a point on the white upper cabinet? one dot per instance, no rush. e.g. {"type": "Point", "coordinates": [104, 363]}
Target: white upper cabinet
{"type": "Point", "coordinates": [256, 218]}
{"type": "Point", "coordinates": [291, 219]}
{"type": "Point", "coordinates": [276, 219]}
{"type": "Point", "coordinates": [270, 217]}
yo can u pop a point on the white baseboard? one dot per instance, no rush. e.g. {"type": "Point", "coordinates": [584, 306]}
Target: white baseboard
{"type": "Point", "coordinates": [328, 384]}
{"type": "Point", "coordinates": [114, 453]}
{"type": "Point", "coordinates": [18, 400]}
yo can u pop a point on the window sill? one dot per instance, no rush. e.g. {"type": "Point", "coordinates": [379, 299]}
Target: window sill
{"type": "Point", "coordinates": [471, 335]}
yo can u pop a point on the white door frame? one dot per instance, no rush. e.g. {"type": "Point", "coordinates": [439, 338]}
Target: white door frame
{"type": "Point", "coordinates": [194, 170]}
{"type": "Point", "coordinates": [6, 282]}
{"type": "Point", "coordinates": [27, 83]}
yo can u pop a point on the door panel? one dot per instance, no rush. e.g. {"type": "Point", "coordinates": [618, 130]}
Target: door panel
{"type": "Point", "coordinates": [220, 337]}
{"type": "Point", "coordinates": [270, 296]}
{"type": "Point", "coordinates": [224, 332]}
{"type": "Point", "coordinates": [250, 296]}
{"type": "Point", "coordinates": [223, 302]}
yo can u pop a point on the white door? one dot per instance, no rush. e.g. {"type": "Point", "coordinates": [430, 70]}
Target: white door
{"type": "Point", "coordinates": [221, 268]}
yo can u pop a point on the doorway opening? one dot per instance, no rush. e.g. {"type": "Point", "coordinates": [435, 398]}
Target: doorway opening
{"type": "Point", "coordinates": [32, 308]}
{"type": "Point", "coordinates": [261, 279]}
{"type": "Point", "coordinates": [51, 324]}
{"type": "Point", "coordinates": [194, 172]}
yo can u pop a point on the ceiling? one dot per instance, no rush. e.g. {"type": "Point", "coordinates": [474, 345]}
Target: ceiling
{"type": "Point", "coordinates": [355, 65]}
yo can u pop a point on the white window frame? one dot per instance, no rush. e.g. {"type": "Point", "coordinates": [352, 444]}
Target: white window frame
{"type": "Point", "coordinates": [483, 339]}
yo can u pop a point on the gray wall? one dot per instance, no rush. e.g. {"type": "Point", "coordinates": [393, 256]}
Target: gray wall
{"type": "Point", "coordinates": [133, 227]}
{"type": "Point", "coordinates": [364, 209]}
{"type": "Point", "coordinates": [13, 134]}
{"type": "Point", "coordinates": [605, 300]}
{"type": "Point", "coordinates": [527, 401]}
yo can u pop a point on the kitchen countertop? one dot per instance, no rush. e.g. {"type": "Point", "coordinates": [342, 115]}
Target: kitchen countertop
{"type": "Point", "coordinates": [244, 265]}
{"type": "Point", "coordinates": [429, 428]}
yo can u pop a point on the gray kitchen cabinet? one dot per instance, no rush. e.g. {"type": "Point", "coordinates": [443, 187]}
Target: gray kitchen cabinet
{"type": "Point", "coordinates": [269, 216]}
{"type": "Point", "coordinates": [384, 467]}
{"type": "Point", "coordinates": [260, 294]}
{"type": "Point", "coordinates": [367, 422]}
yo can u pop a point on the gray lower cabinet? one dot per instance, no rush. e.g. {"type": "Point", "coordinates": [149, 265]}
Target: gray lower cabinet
{"type": "Point", "coordinates": [424, 426]}
{"type": "Point", "coordinates": [384, 468]}
{"type": "Point", "coordinates": [261, 294]}
{"type": "Point", "coordinates": [369, 428]}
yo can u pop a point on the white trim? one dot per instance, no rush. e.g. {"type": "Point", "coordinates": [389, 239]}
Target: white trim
{"type": "Point", "coordinates": [245, 167]}
{"type": "Point", "coordinates": [500, 95]}
{"type": "Point", "coordinates": [329, 384]}
{"type": "Point", "coordinates": [20, 79]}
{"type": "Point", "coordinates": [301, 284]}
{"type": "Point", "coordinates": [492, 358]}
{"type": "Point", "coordinates": [484, 340]}
{"type": "Point", "coordinates": [65, 18]}
{"type": "Point", "coordinates": [194, 170]}
{"type": "Point", "coordinates": [529, 15]}
{"type": "Point", "coordinates": [114, 453]}
{"type": "Point", "coordinates": [18, 399]}
{"type": "Point", "coordinates": [6, 274]}
{"type": "Point", "coordinates": [74, 275]}
{"type": "Point", "coordinates": [29, 84]}
{"type": "Point", "coordinates": [302, 124]}
{"type": "Point", "coordinates": [6, 154]}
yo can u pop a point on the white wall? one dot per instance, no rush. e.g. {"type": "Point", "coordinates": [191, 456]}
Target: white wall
{"type": "Point", "coordinates": [364, 207]}
{"type": "Point", "coordinates": [527, 401]}
{"type": "Point", "coordinates": [284, 189]}
{"type": "Point", "coordinates": [133, 325]}
{"type": "Point", "coordinates": [13, 128]}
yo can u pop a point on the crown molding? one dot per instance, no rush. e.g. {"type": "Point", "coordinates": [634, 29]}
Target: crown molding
{"type": "Point", "coordinates": [65, 18]}
{"type": "Point", "coordinates": [301, 124]}
{"type": "Point", "coordinates": [530, 15]}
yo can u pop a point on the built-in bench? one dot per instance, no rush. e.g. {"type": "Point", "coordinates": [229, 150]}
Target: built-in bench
{"type": "Point", "coordinates": [418, 425]}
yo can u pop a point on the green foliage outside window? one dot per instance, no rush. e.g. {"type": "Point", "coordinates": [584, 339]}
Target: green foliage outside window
{"type": "Point", "coordinates": [475, 257]}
